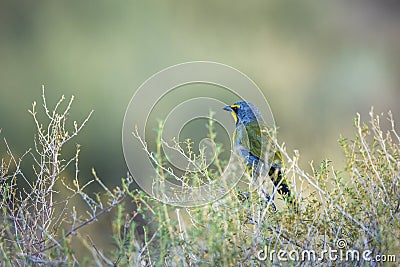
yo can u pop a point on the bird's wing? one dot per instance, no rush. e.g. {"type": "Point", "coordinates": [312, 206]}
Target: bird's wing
{"type": "Point", "coordinates": [259, 143]}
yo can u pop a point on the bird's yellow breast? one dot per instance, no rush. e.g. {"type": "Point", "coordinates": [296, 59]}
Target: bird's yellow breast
{"type": "Point", "coordinates": [235, 117]}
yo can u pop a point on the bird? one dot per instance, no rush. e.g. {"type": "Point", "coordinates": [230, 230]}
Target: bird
{"type": "Point", "coordinates": [253, 144]}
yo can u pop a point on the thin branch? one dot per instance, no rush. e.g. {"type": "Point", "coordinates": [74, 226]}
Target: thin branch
{"type": "Point", "coordinates": [74, 229]}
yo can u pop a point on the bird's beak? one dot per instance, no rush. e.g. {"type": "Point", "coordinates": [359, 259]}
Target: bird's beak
{"type": "Point", "coordinates": [228, 108]}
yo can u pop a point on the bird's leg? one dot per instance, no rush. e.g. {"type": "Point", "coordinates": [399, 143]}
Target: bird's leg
{"type": "Point", "coordinates": [269, 199]}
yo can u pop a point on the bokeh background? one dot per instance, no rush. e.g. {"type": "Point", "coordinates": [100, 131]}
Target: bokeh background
{"type": "Point", "coordinates": [317, 62]}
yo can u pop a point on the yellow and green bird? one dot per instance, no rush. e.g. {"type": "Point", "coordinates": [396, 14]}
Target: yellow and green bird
{"type": "Point", "coordinates": [250, 142]}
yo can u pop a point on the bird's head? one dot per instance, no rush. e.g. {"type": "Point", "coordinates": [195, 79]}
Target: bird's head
{"type": "Point", "coordinates": [244, 112]}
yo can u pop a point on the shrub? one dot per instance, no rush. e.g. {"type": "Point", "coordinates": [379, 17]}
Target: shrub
{"type": "Point", "coordinates": [345, 216]}
{"type": "Point", "coordinates": [38, 220]}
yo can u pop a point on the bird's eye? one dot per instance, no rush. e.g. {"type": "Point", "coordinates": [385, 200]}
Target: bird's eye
{"type": "Point", "coordinates": [235, 107]}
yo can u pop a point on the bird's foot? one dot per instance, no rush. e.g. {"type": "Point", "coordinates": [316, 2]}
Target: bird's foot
{"type": "Point", "coordinates": [269, 200]}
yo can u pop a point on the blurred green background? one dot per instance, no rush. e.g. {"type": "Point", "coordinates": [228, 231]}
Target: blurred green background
{"type": "Point", "coordinates": [318, 63]}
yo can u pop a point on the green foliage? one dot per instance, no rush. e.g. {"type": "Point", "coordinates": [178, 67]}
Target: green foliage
{"type": "Point", "coordinates": [354, 209]}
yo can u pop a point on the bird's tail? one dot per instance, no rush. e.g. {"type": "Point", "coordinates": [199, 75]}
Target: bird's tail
{"type": "Point", "coordinates": [277, 178]}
